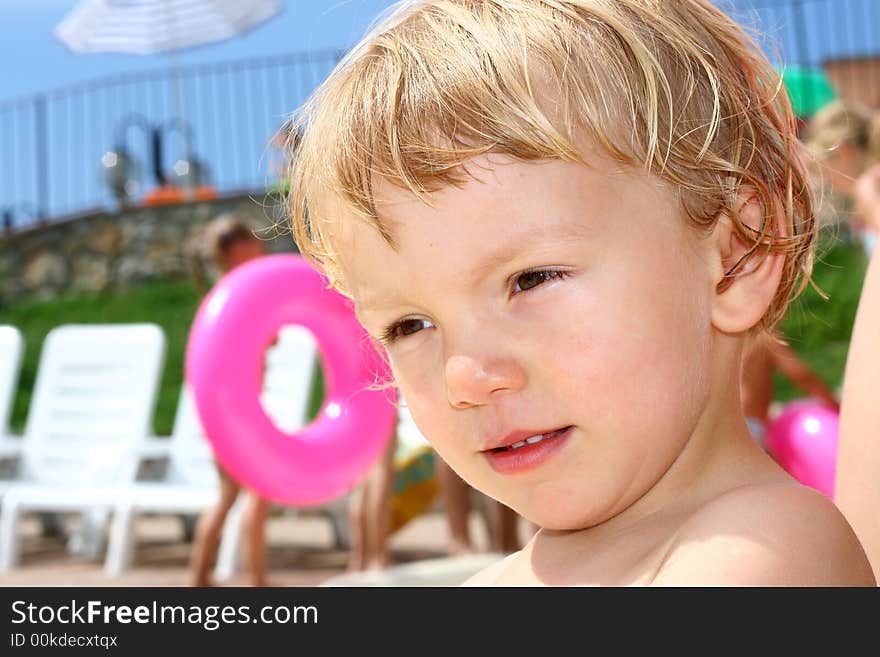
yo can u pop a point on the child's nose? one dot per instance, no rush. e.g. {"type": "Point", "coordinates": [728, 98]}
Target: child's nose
{"type": "Point", "coordinates": [471, 381]}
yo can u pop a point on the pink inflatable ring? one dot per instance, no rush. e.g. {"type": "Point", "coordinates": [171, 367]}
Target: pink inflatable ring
{"type": "Point", "coordinates": [236, 323]}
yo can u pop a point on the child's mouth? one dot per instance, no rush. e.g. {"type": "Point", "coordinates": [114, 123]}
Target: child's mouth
{"type": "Point", "coordinates": [530, 441]}
{"type": "Point", "coordinates": [527, 453]}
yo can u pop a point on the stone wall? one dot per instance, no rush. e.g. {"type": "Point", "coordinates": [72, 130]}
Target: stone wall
{"type": "Point", "coordinates": [102, 250]}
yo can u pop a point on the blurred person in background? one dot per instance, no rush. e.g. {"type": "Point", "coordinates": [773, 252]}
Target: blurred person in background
{"type": "Point", "coordinates": [857, 477]}
{"type": "Point", "coordinates": [228, 241]}
{"type": "Point", "coordinates": [369, 514]}
{"type": "Point", "coordinates": [765, 357]}
{"type": "Point", "coordinates": [456, 495]}
{"type": "Point", "coordinates": [845, 137]}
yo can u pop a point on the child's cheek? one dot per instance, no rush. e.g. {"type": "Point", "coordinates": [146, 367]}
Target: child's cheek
{"type": "Point", "coordinates": [421, 383]}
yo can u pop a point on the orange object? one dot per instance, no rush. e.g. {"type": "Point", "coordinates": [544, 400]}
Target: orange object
{"type": "Point", "coordinates": [171, 194]}
{"type": "Point", "coordinates": [205, 193]}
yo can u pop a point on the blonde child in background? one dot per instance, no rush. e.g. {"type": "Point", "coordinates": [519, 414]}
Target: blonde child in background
{"type": "Point", "coordinates": [845, 137]}
{"type": "Point", "coordinates": [228, 242]}
{"type": "Point", "coordinates": [563, 220]}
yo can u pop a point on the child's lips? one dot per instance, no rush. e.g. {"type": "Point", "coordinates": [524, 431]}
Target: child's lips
{"type": "Point", "coordinates": [518, 439]}
{"type": "Point", "coordinates": [522, 451]}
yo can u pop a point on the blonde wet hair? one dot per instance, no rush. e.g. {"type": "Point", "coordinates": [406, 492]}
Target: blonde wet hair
{"type": "Point", "coordinates": [673, 86]}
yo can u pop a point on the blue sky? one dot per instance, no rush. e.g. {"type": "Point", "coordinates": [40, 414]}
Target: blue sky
{"type": "Point", "coordinates": [34, 61]}
{"type": "Point", "coordinates": [54, 171]}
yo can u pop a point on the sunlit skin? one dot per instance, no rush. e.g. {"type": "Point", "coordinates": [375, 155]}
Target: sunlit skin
{"type": "Point", "coordinates": [614, 339]}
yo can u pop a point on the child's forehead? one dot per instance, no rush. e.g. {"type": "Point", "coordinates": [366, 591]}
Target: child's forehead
{"type": "Point", "coordinates": [503, 201]}
{"type": "Point", "coordinates": [487, 181]}
{"type": "Point", "coordinates": [460, 251]}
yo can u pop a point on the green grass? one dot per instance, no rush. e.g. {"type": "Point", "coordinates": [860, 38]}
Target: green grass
{"type": "Point", "coordinates": [170, 304]}
{"type": "Point", "coordinates": [817, 329]}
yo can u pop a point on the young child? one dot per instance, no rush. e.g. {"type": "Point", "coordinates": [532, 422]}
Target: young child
{"type": "Point", "coordinates": [228, 242]}
{"type": "Point", "coordinates": [562, 219]}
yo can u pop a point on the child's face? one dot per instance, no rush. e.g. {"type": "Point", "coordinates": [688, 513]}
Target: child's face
{"type": "Point", "coordinates": [550, 298]}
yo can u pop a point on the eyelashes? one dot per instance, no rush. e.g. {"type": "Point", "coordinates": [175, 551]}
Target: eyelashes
{"type": "Point", "coordinates": [532, 278]}
{"type": "Point", "coordinates": [520, 283]}
{"type": "Point", "coordinates": [403, 328]}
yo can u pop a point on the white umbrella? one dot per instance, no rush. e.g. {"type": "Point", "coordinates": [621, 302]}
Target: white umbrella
{"type": "Point", "coordinates": [148, 27]}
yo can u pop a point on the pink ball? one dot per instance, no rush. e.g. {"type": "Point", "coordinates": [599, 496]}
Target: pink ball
{"type": "Point", "coordinates": [803, 440]}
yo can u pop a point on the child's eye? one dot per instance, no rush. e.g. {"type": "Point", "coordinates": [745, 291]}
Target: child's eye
{"type": "Point", "coordinates": [530, 279]}
{"type": "Point", "coordinates": [404, 328]}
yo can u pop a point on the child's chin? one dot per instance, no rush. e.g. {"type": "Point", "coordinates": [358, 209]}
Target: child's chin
{"type": "Point", "coordinates": [563, 523]}
{"type": "Point", "coordinates": [557, 524]}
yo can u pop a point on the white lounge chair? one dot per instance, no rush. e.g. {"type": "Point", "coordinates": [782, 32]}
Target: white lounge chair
{"type": "Point", "coordinates": [11, 355]}
{"type": "Point", "coordinates": [92, 405]}
{"type": "Point", "coordinates": [191, 483]}
{"type": "Point", "coordinates": [11, 352]}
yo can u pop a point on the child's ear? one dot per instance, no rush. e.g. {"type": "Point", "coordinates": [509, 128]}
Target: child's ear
{"type": "Point", "coordinates": [746, 279]}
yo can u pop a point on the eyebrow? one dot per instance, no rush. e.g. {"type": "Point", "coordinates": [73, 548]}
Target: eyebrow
{"type": "Point", "coordinates": [561, 230]}
{"type": "Point", "coordinates": [511, 247]}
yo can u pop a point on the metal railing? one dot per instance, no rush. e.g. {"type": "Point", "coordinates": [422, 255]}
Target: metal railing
{"type": "Point", "coordinates": [810, 32]}
{"type": "Point", "coordinates": [53, 143]}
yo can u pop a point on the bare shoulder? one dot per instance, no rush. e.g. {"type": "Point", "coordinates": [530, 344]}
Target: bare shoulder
{"type": "Point", "coordinates": [490, 574]}
{"type": "Point", "coordinates": [777, 534]}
